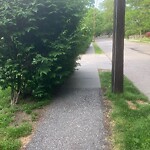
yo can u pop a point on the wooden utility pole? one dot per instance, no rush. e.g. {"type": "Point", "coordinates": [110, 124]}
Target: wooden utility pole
{"type": "Point", "coordinates": [118, 46]}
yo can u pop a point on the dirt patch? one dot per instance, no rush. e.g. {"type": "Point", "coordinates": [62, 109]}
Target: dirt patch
{"type": "Point", "coordinates": [132, 105]}
{"type": "Point", "coordinates": [108, 105]}
{"type": "Point", "coordinates": [20, 117]}
{"type": "Point", "coordinates": [27, 139]}
{"type": "Point", "coordinates": [142, 102]}
{"type": "Point", "coordinates": [107, 121]}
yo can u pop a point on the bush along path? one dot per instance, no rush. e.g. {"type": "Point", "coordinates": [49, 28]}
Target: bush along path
{"type": "Point", "coordinates": [39, 44]}
{"type": "Point", "coordinates": [74, 120]}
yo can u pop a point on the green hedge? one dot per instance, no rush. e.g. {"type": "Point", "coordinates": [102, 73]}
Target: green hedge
{"type": "Point", "coordinates": [39, 44]}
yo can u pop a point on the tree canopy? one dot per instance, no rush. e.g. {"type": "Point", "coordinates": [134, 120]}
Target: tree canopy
{"type": "Point", "coordinates": [137, 14]}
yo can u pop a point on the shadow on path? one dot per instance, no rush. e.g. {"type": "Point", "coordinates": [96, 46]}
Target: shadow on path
{"type": "Point", "coordinates": [74, 121]}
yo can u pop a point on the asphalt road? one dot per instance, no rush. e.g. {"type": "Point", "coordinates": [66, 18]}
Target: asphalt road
{"type": "Point", "coordinates": [136, 62]}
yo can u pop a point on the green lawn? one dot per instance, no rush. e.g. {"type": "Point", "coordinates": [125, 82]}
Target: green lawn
{"type": "Point", "coordinates": [97, 48]}
{"type": "Point", "coordinates": [143, 40]}
{"type": "Point", "coordinates": [130, 115]}
{"type": "Point", "coordinates": [16, 121]}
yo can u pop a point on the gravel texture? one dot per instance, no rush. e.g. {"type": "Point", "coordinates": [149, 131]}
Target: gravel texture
{"type": "Point", "coordinates": [74, 120]}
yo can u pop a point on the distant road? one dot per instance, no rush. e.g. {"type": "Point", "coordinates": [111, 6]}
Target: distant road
{"type": "Point", "coordinates": [136, 62]}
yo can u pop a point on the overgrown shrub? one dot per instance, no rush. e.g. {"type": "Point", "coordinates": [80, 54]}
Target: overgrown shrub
{"type": "Point", "coordinates": [39, 44]}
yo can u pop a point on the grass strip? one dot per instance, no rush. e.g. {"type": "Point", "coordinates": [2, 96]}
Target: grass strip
{"type": "Point", "coordinates": [130, 115]}
{"type": "Point", "coordinates": [141, 40]}
{"type": "Point", "coordinates": [97, 48]}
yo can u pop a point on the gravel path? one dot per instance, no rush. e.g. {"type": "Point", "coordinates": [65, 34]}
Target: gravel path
{"type": "Point", "coordinates": [74, 121]}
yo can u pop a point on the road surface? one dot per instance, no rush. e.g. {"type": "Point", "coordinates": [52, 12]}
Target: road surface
{"type": "Point", "coordinates": [136, 62]}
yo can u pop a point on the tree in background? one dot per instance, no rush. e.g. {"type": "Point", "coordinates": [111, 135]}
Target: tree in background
{"type": "Point", "coordinates": [99, 21]}
{"type": "Point", "coordinates": [106, 8]}
{"type": "Point", "coordinates": [137, 14]}
{"type": "Point", "coordinates": [91, 25]}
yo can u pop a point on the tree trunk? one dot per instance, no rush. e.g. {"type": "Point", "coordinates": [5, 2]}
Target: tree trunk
{"type": "Point", "coordinates": [14, 96]}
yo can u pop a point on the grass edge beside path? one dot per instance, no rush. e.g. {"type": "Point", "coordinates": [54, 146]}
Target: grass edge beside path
{"type": "Point", "coordinates": [18, 122]}
{"type": "Point", "coordinates": [97, 49]}
{"type": "Point", "coordinates": [130, 115]}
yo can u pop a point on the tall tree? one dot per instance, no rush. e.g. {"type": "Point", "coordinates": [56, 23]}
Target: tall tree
{"type": "Point", "coordinates": [137, 14]}
{"type": "Point", "coordinates": [106, 7]}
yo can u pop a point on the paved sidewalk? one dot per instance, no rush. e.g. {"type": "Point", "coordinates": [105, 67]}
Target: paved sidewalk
{"type": "Point", "coordinates": [74, 121]}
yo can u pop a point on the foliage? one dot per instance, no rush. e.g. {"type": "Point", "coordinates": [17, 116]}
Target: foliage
{"type": "Point", "coordinates": [90, 26]}
{"type": "Point", "coordinates": [107, 7]}
{"type": "Point", "coordinates": [130, 115]}
{"type": "Point", "coordinates": [99, 22]}
{"type": "Point", "coordinates": [137, 13]}
{"type": "Point", "coordinates": [85, 31]}
{"type": "Point", "coordinates": [39, 44]}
